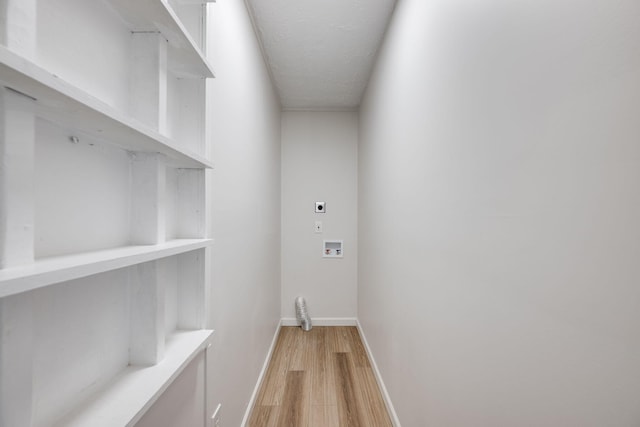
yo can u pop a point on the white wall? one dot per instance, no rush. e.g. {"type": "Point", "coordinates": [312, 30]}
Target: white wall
{"type": "Point", "coordinates": [499, 205]}
{"type": "Point", "coordinates": [319, 163]}
{"type": "Point", "coordinates": [67, 47]}
{"type": "Point", "coordinates": [245, 211]}
{"type": "Point", "coordinates": [76, 187]}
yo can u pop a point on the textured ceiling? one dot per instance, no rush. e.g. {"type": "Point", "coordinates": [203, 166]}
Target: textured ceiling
{"type": "Point", "coordinates": [320, 52]}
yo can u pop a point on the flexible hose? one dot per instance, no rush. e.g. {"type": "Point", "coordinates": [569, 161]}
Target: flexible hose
{"type": "Point", "coordinates": [302, 315]}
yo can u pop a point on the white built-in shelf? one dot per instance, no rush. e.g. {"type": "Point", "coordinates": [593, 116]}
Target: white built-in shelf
{"type": "Point", "coordinates": [186, 60]}
{"type": "Point", "coordinates": [48, 271]}
{"type": "Point", "coordinates": [129, 395]}
{"type": "Point", "coordinates": [84, 114]}
{"type": "Point", "coordinates": [161, 124]}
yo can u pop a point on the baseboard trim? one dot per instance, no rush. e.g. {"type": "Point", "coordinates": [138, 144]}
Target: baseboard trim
{"type": "Point", "coordinates": [322, 321]}
{"type": "Point", "coordinates": [263, 371]}
{"type": "Point", "coordinates": [385, 394]}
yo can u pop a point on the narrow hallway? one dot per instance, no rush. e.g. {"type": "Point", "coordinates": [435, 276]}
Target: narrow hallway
{"type": "Point", "coordinates": [319, 378]}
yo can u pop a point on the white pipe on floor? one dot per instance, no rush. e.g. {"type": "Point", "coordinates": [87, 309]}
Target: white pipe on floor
{"type": "Point", "coordinates": [302, 315]}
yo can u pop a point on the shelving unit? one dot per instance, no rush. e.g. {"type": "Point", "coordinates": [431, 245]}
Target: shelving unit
{"type": "Point", "coordinates": [123, 401]}
{"type": "Point", "coordinates": [49, 271]}
{"type": "Point", "coordinates": [85, 115]}
{"type": "Point", "coordinates": [145, 16]}
{"type": "Point", "coordinates": [102, 207]}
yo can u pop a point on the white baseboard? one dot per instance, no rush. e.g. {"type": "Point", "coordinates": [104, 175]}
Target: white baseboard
{"type": "Point", "coordinates": [263, 371]}
{"type": "Point", "coordinates": [322, 321]}
{"type": "Point", "coordinates": [385, 394]}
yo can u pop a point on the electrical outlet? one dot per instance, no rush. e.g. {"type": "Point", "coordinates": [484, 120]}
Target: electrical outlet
{"type": "Point", "coordinates": [321, 207]}
{"type": "Point", "coordinates": [318, 227]}
{"type": "Point", "coordinates": [215, 418]}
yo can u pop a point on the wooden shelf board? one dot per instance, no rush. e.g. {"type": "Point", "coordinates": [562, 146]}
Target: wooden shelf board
{"type": "Point", "coordinates": [128, 396]}
{"type": "Point", "coordinates": [63, 103]}
{"type": "Point", "coordinates": [48, 271]}
{"type": "Point", "coordinates": [158, 15]}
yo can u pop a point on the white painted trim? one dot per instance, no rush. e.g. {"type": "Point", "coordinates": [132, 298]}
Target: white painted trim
{"type": "Point", "coordinates": [323, 321]}
{"type": "Point", "coordinates": [385, 394]}
{"type": "Point", "coordinates": [322, 109]}
{"type": "Point", "coordinates": [52, 270]}
{"type": "Point", "coordinates": [265, 365]}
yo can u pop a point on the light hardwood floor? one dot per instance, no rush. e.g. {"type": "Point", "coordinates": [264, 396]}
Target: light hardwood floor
{"type": "Point", "coordinates": [320, 378]}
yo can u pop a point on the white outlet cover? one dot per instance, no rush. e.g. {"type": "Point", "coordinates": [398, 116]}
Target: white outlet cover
{"type": "Point", "coordinates": [321, 207]}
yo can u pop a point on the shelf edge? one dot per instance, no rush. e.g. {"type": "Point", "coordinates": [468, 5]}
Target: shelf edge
{"type": "Point", "coordinates": [34, 81]}
{"type": "Point", "coordinates": [125, 400]}
{"type": "Point", "coordinates": [50, 271]}
{"type": "Point", "coordinates": [185, 33]}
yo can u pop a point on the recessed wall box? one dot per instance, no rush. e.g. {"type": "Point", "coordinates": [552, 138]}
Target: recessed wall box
{"type": "Point", "coordinates": [332, 249]}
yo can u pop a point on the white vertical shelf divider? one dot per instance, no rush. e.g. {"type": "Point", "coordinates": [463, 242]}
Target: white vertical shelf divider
{"type": "Point", "coordinates": [191, 301]}
{"type": "Point", "coordinates": [148, 171]}
{"type": "Point", "coordinates": [17, 24]}
{"type": "Point", "coordinates": [17, 140]}
{"type": "Point", "coordinates": [16, 348]}
{"type": "Point", "coordinates": [148, 93]}
{"type": "Point", "coordinates": [17, 144]}
{"type": "Point", "coordinates": [189, 120]}
{"type": "Point", "coordinates": [191, 203]}
{"type": "Point", "coordinates": [147, 293]}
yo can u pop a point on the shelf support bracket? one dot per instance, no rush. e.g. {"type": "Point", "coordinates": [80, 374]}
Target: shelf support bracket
{"type": "Point", "coordinates": [147, 341]}
{"type": "Point", "coordinates": [17, 142]}
{"type": "Point", "coordinates": [18, 26]}
{"type": "Point", "coordinates": [149, 86]}
{"type": "Point", "coordinates": [16, 352]}
{"type": "Point", "coordinates": [191, 292]}
{"type": "Point", "coordinates": [149, 176]}
{"type": "Point", "coordinates": [191, 203]}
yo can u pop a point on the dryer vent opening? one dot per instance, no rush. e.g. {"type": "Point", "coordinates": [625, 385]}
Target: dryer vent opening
{"type": "Point", "coordinates": [301, 314]}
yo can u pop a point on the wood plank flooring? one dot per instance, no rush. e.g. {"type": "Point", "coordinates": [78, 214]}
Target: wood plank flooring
{"type": "Point", "coordinates": [320, 378]}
